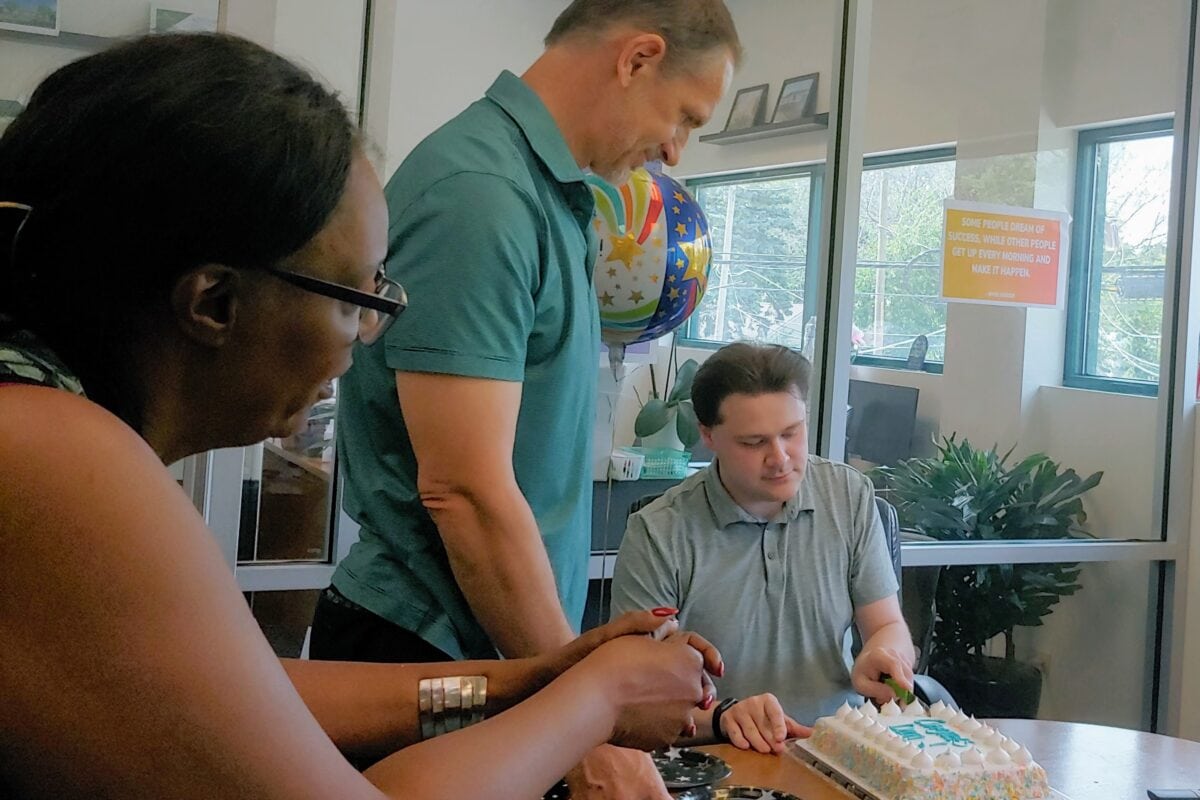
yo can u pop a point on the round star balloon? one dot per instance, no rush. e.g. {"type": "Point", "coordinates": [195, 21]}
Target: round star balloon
{"type": "Point", "coordinates": [652, 266]}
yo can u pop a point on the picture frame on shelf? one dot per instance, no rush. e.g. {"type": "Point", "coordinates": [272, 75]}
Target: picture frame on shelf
{"type": "Point", "coordinates": [30, 16]}
{"type": "Point", "coordinates": [797, 99]}
{"type": "Point", "coordinates": [165, 19]}
{"type": "Point", "coordinates": [747, 109]}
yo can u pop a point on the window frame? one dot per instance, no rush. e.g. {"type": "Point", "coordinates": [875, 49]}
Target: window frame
{"type": "Point", "coordinates": [930, 155]}
{"type": "Point", "coordinates": [1083, 293]}
{"type": "Point", "coordinates": [816, 175]}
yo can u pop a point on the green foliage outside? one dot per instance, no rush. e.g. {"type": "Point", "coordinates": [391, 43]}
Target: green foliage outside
{"type": "Point", "coordinates": [759, 232]}
{"type": "Point", "coordinates": [897, 284]}
{"type": "Point", "coordinates": [1127, 331]}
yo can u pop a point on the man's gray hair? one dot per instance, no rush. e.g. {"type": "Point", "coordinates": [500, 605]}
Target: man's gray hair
{"type": "Point", "coordinates": [692, 29]}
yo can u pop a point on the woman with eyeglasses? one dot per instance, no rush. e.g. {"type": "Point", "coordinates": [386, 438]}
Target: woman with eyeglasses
{"type": "Point", "coordinates": [190, 246]}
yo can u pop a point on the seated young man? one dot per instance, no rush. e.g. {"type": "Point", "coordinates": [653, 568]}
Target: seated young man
{"type": "Point", "coordinates": [772, 553]}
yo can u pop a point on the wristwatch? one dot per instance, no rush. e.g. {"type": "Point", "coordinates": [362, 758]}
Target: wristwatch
{"type": "Point", "coordinates": [722, 707]}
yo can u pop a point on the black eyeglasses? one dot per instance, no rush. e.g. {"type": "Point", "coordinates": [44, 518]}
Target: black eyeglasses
{"type": "Point", "coordinates": [378, 310]}
{"type": "Point", "coordinates": [24, 211]}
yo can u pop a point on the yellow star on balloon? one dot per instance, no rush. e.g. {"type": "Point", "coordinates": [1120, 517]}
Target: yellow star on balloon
{"type": "Point", "coordinates": [624, 249]}
{"type": "Point", "coordinates": [681, 229]}
{"type": "Point", "coordinates": [606, 299]}
{"type": "Point", "coordinates": [673, 294]}
{"type": "Point", "coordinates": [698, 256]}
{"type": "Point", "coordinates": [679, 197]}
{"type": "Point", "coordinates": [636, 297]}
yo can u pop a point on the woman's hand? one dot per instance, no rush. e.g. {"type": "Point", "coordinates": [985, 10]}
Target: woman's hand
{"type": "Point", "coordinates": [758, 723]}
{"type": "Point", "coordinates": [653, 687]}
{"type": "Point", "coordinates": [658, 623]}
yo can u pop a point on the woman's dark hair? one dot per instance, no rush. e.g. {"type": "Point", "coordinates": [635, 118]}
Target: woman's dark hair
{"type": "Point", "coordinates": [145, 161]}
{"type": "Point", "coordinates": [747, 368]}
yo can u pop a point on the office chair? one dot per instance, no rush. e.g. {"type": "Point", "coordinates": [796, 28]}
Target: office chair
{"type": "Point", "coordinates": [918, 588]}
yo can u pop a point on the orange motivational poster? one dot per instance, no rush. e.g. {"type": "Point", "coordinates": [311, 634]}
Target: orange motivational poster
{"type": "Point", "coordinates": [1001, 255]}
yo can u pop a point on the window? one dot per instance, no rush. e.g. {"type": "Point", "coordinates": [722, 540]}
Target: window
{"type": "Point", "coordinates": [1118, 258]}
{"type": "Point", "coordinates": [897, 281]}
{"type": "Point", "coordinates": [764, 237]}
{"type": "Point", "coordinates": [764, 234]}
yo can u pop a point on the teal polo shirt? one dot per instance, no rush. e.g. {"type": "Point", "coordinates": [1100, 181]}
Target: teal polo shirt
{"type": "Point", "coordinates": [491, 235]}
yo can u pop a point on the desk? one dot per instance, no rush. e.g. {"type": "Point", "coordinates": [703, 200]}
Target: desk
{"type": "Point", "coordinates": [1084, 762]}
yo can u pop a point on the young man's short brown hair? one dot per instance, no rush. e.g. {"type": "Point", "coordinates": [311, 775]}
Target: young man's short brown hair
{"type": "Point", "coordinates": [692, 29]}
{"type": "Point", "coordinates": [747, 368]}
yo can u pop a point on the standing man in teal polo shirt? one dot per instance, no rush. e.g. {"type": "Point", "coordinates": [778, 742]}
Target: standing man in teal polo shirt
{"type": "Point", "coordinates": [465, 434]}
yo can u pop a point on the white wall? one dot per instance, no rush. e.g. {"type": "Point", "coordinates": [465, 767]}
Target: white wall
{"type": "Point", "coordinates": [447, 53]}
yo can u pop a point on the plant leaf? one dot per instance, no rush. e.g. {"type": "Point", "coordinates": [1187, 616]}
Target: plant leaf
{"type": "Point", "coordinates": [652, 418]}
{"type": "Point", "coordinates": [682, 390]}
{"type": "Point", "coordinates": [687, 426]}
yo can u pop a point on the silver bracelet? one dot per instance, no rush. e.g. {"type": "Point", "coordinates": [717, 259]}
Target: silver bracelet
{"type": "Point", "coordinates": [448, 704]}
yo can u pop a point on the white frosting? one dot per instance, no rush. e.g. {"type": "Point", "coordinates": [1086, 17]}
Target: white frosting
{"type": "Point", "coordinates": [942, 744]}
{"type": "Point", "coordinates": [937, 708]}
{"type": "Point", "coordinates": [843, 710]}
{"type": "Point", "coordinates": [869, 710]}
{"type": "Point", "coordinates": [999, 757]}
{"type": "Point", "coordinates": [913, 710]}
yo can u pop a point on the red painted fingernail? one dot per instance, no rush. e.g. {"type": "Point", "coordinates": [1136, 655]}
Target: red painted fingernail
{"type": "Point", "coordinates": [663, 611]}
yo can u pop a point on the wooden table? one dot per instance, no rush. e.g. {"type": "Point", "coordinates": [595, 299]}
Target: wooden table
{"type": "Point", "coordinates": [1084, 762]}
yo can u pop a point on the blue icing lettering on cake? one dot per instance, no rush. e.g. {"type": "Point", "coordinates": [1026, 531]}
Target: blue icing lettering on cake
{"type": "Point", "coordinates": [941, 754]}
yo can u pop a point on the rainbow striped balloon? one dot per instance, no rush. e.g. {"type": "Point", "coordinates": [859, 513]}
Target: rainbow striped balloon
{"type": "Point", "coordinates": [652, 266]}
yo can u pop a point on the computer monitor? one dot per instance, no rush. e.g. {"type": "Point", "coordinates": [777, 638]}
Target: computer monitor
{"type": "Point", "coordinates": [879, 425]}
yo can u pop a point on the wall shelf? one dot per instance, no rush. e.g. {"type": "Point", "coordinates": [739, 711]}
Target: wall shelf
{"type": "Point", "coordinates": [818, 122]}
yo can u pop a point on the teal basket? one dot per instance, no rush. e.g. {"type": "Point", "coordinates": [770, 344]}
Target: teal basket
{"type": "Point", "coordinates": [663, 462]}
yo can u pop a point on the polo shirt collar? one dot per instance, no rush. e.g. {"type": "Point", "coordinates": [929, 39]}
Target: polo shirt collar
{"type": "Point", "coordinates": [727, 511]}
{"type": "Point", "coordinates": [521, 103]}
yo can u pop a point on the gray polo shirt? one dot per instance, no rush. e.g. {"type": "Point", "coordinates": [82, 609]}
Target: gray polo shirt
{"type": "Point", "coordinates": [776, 597]}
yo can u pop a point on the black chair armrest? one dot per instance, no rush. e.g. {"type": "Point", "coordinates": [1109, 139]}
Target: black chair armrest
{"type": "Point", "coordinates": [929, 691]}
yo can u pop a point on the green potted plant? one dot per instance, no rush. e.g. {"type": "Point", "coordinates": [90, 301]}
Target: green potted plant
{"type": "Point", "coordinates": [966, 494]}
{"type": "Point", "coordinates": [671, 411]}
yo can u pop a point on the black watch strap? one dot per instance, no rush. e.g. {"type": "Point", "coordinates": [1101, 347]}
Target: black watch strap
{"type": "Point", "coordinates": [722, 707]}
